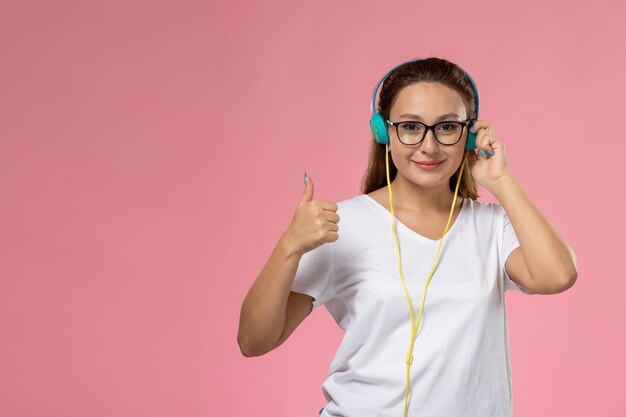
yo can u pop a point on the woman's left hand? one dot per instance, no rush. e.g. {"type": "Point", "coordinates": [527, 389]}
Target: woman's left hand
{"type": "Point", "coordinates": [487, 170]}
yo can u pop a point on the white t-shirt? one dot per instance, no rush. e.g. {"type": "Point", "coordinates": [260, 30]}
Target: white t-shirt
{"type": "Point", "coordinates": [461, 362]}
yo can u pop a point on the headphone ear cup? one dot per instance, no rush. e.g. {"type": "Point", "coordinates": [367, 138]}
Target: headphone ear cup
{"type": "Point", "coordinates": [379, 129]}
{"type": "Point", "coordinates": [470, 145]}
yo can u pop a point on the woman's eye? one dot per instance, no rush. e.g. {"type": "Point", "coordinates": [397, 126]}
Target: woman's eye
{"type": "Point", "coordinates": [448, 127]}
{"type": "Point", "coordinates": [411, 127]}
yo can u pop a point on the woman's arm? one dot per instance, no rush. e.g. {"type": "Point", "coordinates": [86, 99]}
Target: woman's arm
{"type": "Point", "coordinates": [546, 264]}
{"type": "Point", "coordinates": [264, 311]}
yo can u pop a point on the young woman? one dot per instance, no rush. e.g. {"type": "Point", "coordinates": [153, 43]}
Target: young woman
{"type": "Point", "coordinates": [418, 232]}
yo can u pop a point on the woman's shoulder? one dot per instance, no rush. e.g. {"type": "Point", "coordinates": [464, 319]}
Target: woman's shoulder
{"type": "Point", "coordinates": [483, 205]}
{"type": "Point", "coordinates": [483, 210]}
{"type": "Point", "coordinates": [357, 209]}
{"type": "Point", "coordinates": [352, 202]}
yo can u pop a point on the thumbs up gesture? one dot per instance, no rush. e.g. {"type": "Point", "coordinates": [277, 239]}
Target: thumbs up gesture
{"type": "Point", "coordinates": [314, 222]}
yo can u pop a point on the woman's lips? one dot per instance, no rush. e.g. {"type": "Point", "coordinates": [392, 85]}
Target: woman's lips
{"type": "Point", "coordinates": [429, 165]}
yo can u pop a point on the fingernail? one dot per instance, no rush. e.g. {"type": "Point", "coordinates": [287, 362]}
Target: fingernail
{"type": "Point", "coordinates": [483, 152]}
{"type": "Point", "coordinates": [491, 152]}
{"type": "Point", "coordinates": [304, 177]}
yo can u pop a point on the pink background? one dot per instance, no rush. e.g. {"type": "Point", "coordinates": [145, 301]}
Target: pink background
{"type": "Point", "coordinates": [151, 153]}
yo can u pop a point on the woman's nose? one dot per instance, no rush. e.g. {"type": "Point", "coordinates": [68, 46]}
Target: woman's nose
{"type": "Point", "coordinates": [429, 142]}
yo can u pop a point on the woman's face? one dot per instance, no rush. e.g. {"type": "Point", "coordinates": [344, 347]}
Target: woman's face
{"type": "Point", "coordinates": [427, 103]}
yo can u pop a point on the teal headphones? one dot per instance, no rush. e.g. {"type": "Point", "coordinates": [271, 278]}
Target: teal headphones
{"type": "Point", "coordinates": [379, 126]}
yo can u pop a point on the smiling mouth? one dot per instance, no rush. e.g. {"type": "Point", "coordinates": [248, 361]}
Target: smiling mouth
{"type": "Point", "coordinates": [428, 163]}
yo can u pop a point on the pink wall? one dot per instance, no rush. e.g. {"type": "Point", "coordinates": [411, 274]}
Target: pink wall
{"type": "Point", "coordinates": [151, 153]}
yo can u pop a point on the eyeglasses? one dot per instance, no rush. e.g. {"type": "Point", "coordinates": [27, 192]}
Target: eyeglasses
{"type": "Point", "coordinates": [412, 133]}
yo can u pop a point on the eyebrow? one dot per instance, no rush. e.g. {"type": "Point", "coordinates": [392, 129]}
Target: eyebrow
{"type": "Point", "coordinates": [443, 116]}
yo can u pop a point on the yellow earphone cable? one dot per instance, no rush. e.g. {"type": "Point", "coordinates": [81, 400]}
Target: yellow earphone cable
{"type": "Point", "coordinates": [409, 356]}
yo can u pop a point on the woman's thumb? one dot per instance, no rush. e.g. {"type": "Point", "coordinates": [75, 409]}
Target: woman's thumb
{"type": "Point", "coordinates": [307, 195]}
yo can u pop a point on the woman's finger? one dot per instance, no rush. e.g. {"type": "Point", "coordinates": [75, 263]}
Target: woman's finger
{"type": "Point", "coordinates": [482, 125]}
{"type": "Point", "coordinates": [485, 137]}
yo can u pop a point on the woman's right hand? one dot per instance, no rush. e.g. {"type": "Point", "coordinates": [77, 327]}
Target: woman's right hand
{"type": "Point", "coordinates": [314, 222]}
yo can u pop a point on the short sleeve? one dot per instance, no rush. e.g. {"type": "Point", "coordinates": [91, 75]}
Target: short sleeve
{"type": "Point", "coordinates": [509, 244]}
{"type": "Point", "coordinates": [314, 274]}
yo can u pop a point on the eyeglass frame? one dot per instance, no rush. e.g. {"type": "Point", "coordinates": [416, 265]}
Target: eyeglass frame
{"type": "Point", "coordinates": [428, 127]}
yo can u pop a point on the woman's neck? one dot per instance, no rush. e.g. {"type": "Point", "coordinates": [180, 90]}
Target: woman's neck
{"type": "Point", "coordinates": [421, 200]}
